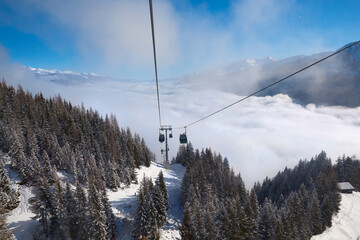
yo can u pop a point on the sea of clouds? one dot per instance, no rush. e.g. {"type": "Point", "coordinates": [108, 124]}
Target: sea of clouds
{"type": "Point", "coordinates": [259, 136]}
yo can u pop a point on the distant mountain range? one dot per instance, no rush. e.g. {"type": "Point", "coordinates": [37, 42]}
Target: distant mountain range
{"type": "Point", "coordinates": [335, 81]}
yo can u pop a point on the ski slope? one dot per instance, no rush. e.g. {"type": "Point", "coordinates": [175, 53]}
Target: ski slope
{"type": "Point", "coordinates": [21, 219]}
{"type": "Point", "coordinates": [124, 201]}
{"type": "Point", "coordinates": [346, 224]}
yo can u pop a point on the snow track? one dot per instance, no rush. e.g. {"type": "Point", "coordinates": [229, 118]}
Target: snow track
{"type": "Point", "coordinates": [346, 223]}
{"type": "Point", "coordinates": [20, 219]}
{"type": "Point", "coordinates": [124, 201]}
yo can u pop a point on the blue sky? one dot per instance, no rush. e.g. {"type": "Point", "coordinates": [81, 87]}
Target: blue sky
{"type": "Point", "coordinates": [113, 37]}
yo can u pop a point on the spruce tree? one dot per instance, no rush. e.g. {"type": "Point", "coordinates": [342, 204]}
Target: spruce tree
{"type": "Point", "coordinates": [41, 205]}
{"type": "Point", "coordinates": [186, 224]}
{"type": "Point", "coordinates": [139, 230]}
{"type": "Point", "coordinates": [70, 211]}
{"type": "Point", "coordinates": [17, 153]}
{"type": "Point", "coordinates": [267, 220]}
{"type": "Point", "coordinates": [82, 212]}
{"type": "Point", "coordinates": [315, 214]}
{"type": "Point", "coordinates": [9, 200]}
{"type": "Point", "coordinates": [97, 229]}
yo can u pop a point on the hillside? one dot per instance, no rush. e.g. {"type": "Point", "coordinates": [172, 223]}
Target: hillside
{"type": "Point", "coordinates": [123, 203]}
{"type": "Point", "coordinates": [346, 222]}
{"type": "Point", "coordinates": [64, 158]}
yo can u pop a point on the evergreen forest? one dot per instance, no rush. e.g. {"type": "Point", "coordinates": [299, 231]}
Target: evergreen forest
{"type": "Point", "coordinates": [43, 136]}
{"type": "Point", "coordinates": [295, 204]}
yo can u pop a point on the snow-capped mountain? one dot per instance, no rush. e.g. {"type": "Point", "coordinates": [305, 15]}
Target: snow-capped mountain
{"type": "Point", "coordinates": [332, 82]}
{"type": "Point", "coordinates": [67, 77]}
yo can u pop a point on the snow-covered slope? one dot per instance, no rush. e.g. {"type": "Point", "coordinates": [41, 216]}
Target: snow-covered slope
{"type": "Point", "coordinates": [346, 224]}
{"type": "Point", "coordinates": [123, 204]}
{"type": "Point", "coordinates": [124, 201]}
{"type": "Point", "coordinates": [20, 220]}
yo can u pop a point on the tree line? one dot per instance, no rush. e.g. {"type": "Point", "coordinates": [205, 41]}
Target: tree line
{"type": "Point", "coordinates": [295, 204]}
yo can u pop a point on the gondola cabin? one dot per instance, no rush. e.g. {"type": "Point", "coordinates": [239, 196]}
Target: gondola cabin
{"type": "Point", "coordinates": [183, 138]}
{"type": "Point", "coordinates": [161, 137]}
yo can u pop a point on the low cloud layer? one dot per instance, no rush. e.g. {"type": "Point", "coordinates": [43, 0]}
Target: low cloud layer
{"type": "Point", "coordinates": [259, 136]}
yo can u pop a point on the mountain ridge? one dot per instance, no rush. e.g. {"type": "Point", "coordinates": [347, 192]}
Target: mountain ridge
{"type": "Point", "coordinates": [332, 82]}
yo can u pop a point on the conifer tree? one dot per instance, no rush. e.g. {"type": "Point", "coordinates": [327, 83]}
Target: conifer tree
{"type": "Point", "coordinates": [70, 211]}
{"type": "Point", "coordinates": [267, 220]}
{"type": "Point", "coordinates": [97, 215]}
{"type": "Point", "coordinates": [160, 196]}
{"type": "Point", "coordinates": [82, 212]}
{"type": "Point", "coordinates": [9, 200]}
{"type": "Point", "coordinates": [315, 214]}
{"type": "Point", "coordinates": [41, 205]}
{"type": "Point", "coordinates": [160, 205]}
{"type": "Point", "coordinates": [59, 228]}
{"type": "Point", "coordinates": [140, 218]}
{"type": "Point", "coordinates": [47, 169]}
{"type": "Point", "coordinates": [17, 154]}
{"type": "Point", "coordinates": [186, 224]}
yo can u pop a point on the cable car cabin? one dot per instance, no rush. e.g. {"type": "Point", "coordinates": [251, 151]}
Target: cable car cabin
{"type": "Point", "coordinates": [170, 135]}
{"type": "Point", "coordinates": [161, 137]}
{"type": "Point", "coordinates": [183, 138]}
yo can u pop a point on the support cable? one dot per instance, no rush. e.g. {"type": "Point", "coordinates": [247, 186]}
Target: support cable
{"type": "Point", "coordinates": [272, 84]}
{"type": "Point", "coordinates": [156, 74]}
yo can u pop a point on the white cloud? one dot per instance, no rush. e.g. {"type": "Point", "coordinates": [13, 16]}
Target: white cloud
{"type": "Point", "coordinates": [260, 136]}
{"type": "Point", "coordinates": [118, 29]}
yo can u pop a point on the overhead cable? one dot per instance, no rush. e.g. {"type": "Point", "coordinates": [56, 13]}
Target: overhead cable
{"type": "Point", "coordinates": [272, 84]}
{"type": "Point", "coordinates": [156, 74]}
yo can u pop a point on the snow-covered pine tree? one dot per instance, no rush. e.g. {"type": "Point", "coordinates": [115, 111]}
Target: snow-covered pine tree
{"type": "Point", "coordinates": [315, 214]}
{"type": "Point", "coordinates": [70, 208]}
{"type": "Point", "coordinates": [47, 169]}
{"type": "Point", "coordinates": [82, 212]}
{"type": "Point", "coordinates": [160, 197]}
{"type": "Point", "coordinates": [267, 220]}
{"type": "Point", "coordinates": [59, 228]}
{"type": "Point", "coordinates": [97, 228]}
{"type": "Point", "coordinates": [9, 200]}
{"type": "Point", "coordinates": [139, 230]}
{"type": "Point", "coordinates": [160, 204]}
{"type": "Point", "coordinates": [17, 153]}
{"type": "Point", "coordinates": [41, 205]}
{"type": "Point", "coordinates": [185, 225]}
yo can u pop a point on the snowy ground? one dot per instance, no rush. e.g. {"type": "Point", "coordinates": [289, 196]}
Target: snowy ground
{"type": "Point", "coordinates": [346, 224]}
{"type": "Point", "coordinates": [124, 201]}
{"type": "Point", "coordinates": [20, 220]}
